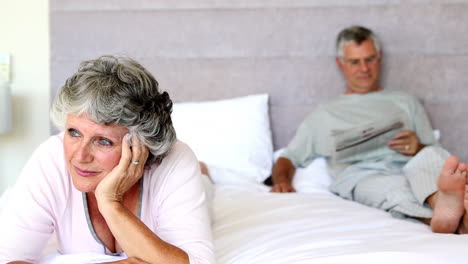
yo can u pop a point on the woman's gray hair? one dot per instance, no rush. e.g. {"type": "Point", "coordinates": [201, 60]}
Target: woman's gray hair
{"type": "Point", "coordinates": [355, 34]}
{"type": "Point", "coordinates": [119, 91]}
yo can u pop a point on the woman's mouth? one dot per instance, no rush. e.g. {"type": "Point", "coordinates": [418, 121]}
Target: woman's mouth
{"type": "Point", "coordinates": [85, 173]}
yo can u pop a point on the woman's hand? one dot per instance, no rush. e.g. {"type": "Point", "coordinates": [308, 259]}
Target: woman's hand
{"type": "Point", "coordinates": [129, 170]}
{"type": "Point", "coordinates": [406, 142]}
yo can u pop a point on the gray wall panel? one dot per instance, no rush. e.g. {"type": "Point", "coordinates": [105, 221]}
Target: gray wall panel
{"type": "Point", "coordinates": [204, 50]}
{"type": "Point", "coordinates": [255, 33]}
{"type": "Point", "coordinates": [72, 5]}
{"type": "Point", "coordinates": [284, 79]}
{"type": "Point", "coordinates": [432, 78]}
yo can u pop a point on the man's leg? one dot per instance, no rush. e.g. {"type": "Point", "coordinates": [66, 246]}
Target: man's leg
{"type": "Point", "coordinates": [448, 202]}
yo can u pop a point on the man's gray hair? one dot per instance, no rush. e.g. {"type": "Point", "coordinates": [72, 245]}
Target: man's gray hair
{"type": "Point", "coordinates": [357, 35]}
{"type": "Point", "coordinates": [119, 91]}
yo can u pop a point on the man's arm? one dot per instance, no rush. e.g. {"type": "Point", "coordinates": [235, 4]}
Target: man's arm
{"type": "Point", "coordinates": [283, 173]}
{"type": "Point", "coordinates": [410, 142]}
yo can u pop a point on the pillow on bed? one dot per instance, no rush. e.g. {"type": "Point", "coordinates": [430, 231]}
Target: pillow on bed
{"type": "Point", "coordinates": [230, 134]}
{"type": "Point", "coordinates": [313, 178]}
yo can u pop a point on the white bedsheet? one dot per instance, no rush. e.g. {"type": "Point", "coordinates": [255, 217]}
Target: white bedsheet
{"type": "Point", "coordinates": [253, 226]}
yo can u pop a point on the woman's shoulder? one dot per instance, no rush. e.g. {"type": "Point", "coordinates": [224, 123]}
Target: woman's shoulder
{"type": "Point", "coordinates": [178, 158]}
{"type": "Point", "coordinates": [180, 150]}
{"type": "Point", "coordinates": [52, 144]}
{"type": "Point", "coordinates": [177, 168]}
{"type": "Point", "coordinates": [45, 172]}
{"type": "Point", "coordinates": [50, 153]}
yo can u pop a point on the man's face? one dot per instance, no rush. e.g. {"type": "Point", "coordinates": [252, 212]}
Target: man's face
{"type": "Point", "coordinates": [360, 67]}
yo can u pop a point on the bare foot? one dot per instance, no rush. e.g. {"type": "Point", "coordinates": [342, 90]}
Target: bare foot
{"type": "Point", "coordinates": [463, 227]}
{"type": "Point", "coordinates": [449, 205]}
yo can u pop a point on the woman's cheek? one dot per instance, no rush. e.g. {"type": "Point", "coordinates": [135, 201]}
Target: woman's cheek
{"type": "Point", "coordinates": [110, 160]}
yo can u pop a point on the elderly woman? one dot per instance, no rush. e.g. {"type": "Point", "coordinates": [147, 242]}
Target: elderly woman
{"type": "Point", "coordinates": [115, 181]}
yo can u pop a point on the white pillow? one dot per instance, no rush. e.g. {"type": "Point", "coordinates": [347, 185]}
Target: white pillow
{"type": "Point", "coordinates": [231, 134]}
{"type": "Point", "coordinates": [313, 178]}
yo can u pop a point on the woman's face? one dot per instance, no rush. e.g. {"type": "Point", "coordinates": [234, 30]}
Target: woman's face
{"type": "Point", "coordinates": [92, 150]}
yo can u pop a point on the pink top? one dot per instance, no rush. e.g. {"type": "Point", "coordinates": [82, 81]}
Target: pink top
{"type": "Point", "coordinates": [43, 201]}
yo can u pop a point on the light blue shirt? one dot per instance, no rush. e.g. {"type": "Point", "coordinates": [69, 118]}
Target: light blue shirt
{"type": "Point", "coordinates": [313, 137]}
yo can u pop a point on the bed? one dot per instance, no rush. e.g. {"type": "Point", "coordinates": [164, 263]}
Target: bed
{"type": "Point", "coordinates": [252, 225]}
{"type": "Point", "coordinates": [209, 55]}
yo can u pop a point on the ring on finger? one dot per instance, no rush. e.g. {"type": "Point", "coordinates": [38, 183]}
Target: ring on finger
{"type": "Point", "coordinates": [135, 162]}
{"type": "Point", "coordinates": [407, 147]}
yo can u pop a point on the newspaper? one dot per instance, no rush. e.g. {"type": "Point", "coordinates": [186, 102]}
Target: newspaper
{"type": "Point", "coordinates": [368, 137]}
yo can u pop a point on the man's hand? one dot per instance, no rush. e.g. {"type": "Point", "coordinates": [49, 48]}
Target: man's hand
{"type": "Point", "coordinates": [406, 142]}
{"type": "Point", "coordinates": [283, 173]}
{"type": "Point", "coordinates": [282, 188]}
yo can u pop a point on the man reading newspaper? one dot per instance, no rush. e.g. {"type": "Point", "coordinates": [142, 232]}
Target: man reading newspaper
{"type": "Point", "coordinates": [379, 144]}
{"type": "Point", "coordinates": [367, 137]}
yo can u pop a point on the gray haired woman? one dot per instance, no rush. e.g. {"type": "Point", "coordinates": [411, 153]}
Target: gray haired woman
{"type": "Point", "coordinates": [115, 181]}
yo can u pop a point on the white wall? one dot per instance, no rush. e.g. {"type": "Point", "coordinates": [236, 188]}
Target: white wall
{"type": "Point", "coordinates": [24, 33]}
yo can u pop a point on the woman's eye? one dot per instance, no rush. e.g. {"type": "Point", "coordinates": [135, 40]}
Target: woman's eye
{"type": "Point", "coordinates": [72, 132]}
{"type": "Point", "coordinates": [104, 142]}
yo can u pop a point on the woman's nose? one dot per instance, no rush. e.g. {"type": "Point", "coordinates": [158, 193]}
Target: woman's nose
{"type": "Point", "coordinates": [83, 152]}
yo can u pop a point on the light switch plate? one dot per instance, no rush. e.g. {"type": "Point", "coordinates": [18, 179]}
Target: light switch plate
{"type": "Point", "coordinates": [5, 67]}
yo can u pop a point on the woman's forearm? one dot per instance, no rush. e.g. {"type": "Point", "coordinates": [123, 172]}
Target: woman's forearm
{"type": "Point", "coordinates": [136, 239]}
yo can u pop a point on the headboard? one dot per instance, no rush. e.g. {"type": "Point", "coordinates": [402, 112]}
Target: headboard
{"type": "Point", "coordinates": [205, 49]}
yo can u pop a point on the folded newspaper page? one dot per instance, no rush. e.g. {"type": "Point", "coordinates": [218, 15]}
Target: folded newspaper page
{"type": "Point", "coordinates": [368, 137]}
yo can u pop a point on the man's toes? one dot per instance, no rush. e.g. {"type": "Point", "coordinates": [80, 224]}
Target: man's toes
{"type": "Point", "coordinates": [462, 167]}
{"type": "Point", "coordinates": [450, 165]}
